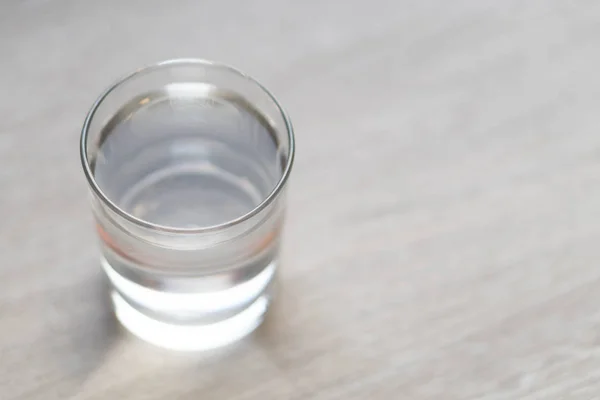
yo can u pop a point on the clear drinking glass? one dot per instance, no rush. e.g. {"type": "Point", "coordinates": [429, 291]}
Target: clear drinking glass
{"type": "Point", "coordinates": [187, 162]}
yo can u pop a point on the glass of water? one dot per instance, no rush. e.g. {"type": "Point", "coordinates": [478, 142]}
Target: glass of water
{"type": "Point", "coordinates": [187, 161]}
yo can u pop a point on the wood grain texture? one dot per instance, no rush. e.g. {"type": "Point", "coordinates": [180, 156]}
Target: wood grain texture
{"type": "Point", "coordinates": [443, 239]}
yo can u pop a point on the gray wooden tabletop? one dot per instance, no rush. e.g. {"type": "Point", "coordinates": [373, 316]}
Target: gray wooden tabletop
{"type": "Point", "coordinates": [443, 239]}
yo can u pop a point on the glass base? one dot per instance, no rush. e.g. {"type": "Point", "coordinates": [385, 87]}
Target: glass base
{"type": "Point", "coordinates": [190, 337]}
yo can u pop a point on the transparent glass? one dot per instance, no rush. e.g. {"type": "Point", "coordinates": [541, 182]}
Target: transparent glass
{"type": "Point", "coordinates": [187, 162]}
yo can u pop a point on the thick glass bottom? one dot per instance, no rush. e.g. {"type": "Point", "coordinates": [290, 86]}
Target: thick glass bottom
{"type": "Point", "coordinates": [189, 336]}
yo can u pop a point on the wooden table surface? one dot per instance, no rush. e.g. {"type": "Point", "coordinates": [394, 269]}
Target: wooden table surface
{"type": "Point", "coordinates": [443, 239]}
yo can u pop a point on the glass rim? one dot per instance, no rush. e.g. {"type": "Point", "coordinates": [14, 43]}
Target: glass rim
{"type": "Point", "coordinates": [149, 225]}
